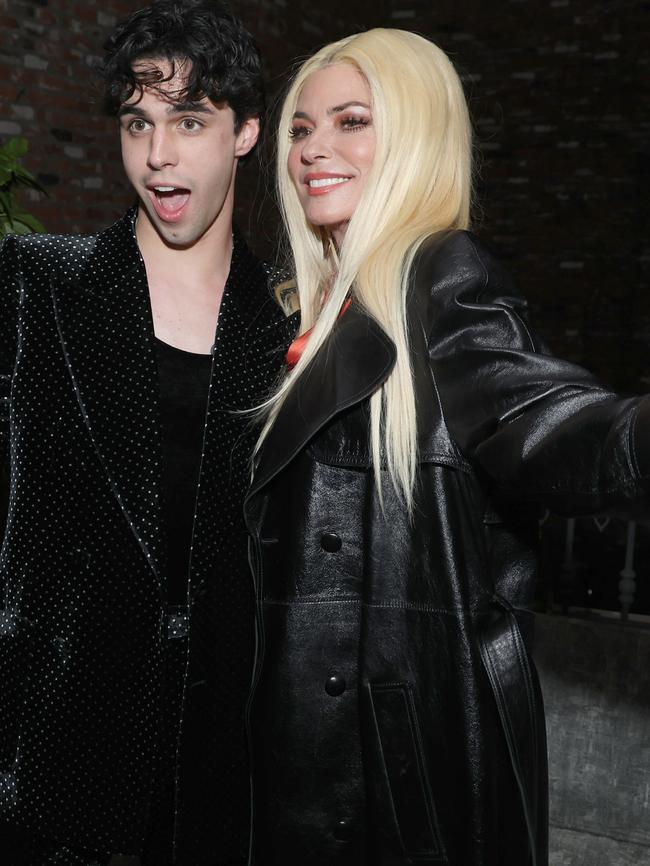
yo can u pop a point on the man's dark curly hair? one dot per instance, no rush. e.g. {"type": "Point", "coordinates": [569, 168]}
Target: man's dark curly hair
{"type": "Point", "coordinates": [222, 60]}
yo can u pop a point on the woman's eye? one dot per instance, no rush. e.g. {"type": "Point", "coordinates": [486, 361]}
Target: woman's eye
{"type": "Point", "coordinates": [354, 123]}
{"type": "Point", "coordinates": [298, 132]}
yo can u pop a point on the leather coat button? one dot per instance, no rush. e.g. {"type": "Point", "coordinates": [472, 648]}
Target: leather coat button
{"type": "Point", "coordinates": [343, 830]}
{"type": "Point", "coordinates": [335, 685]}
{"type": "Point", "coordinates": [330, 542]}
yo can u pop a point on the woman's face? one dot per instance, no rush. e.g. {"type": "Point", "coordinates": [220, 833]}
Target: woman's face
{"type": "Point", "coordinates": [332, 146]}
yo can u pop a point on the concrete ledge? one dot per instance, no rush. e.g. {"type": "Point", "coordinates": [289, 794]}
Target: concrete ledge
{"type": "Point", "coordinates": [570, 848]}
{"type": "Point", "coordinates": [596, 682]}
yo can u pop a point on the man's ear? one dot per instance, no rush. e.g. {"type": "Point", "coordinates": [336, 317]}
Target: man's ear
{"type": "Point", "coordinates": [247, 136]}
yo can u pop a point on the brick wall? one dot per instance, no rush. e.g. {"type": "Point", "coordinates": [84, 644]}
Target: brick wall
{"type": "Point", "coordinates": [560, 99]}
{"type": "Point", "coordinates": [48, 94]}
{"type": "Point", "coordinates": [561, 103]}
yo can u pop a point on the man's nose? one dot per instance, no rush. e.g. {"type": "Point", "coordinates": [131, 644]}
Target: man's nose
{"type": "Point", "coordinates": [162, 150]}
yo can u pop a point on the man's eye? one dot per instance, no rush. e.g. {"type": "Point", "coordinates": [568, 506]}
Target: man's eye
{"type": "Point", "coordinates": [137, 125]}
{"type": "Point", "coordinates": [190, 124]}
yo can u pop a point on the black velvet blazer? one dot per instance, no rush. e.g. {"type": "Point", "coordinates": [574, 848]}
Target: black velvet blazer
{"type": "Point", "coordinates": [82, 616]}
{"type": "Point", "coordinates": [396, 718]}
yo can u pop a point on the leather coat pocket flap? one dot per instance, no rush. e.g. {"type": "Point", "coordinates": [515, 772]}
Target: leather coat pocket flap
{"type": "Point", "coordinates": [400, 745]}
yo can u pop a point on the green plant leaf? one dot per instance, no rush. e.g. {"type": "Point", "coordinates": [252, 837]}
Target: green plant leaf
{"type": "Point", "coordinates": [6, 202]}
{"type": "Point", "coordinates": [25, 178]}
{"type": "Point", "coordinates": [12, 218]}
{"type": "Point", "coordinates": [22, 173]}
{"type": "Point", "coordinates": [19, 229]}
{"type": "Point", "coordinates": [7, 221]}
{"type": "Point", "coordinates": [26, 223]}
{"type": "Point", "coordinates": [16, 147]}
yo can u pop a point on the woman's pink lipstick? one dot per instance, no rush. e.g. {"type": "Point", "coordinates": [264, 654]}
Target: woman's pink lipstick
{"type": "Point", "coordinates": [321, 183]}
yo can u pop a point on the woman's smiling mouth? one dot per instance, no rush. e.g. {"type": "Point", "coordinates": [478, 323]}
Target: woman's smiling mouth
{"type": "Point", "coordinates": [318, 184]}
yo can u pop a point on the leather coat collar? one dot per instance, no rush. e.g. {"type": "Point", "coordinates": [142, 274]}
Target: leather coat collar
{"type": "Point", "coordinates": [354, 360]}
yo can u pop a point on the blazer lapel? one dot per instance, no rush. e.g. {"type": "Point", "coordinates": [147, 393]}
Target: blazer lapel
{"type": "Point", "coordinates": [252, 337]}
{"type": "Point", "coordinates": [105, 325]}
{"type": "Point", "coordinates": [350, 365]}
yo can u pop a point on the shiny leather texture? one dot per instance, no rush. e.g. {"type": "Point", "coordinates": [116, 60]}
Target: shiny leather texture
{"type": "Point", "coordinates": [396, 717]}
{"type": "Point", "coordinates": [83, 618]}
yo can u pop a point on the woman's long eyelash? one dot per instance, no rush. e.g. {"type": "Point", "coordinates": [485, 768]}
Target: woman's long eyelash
{"type": "Point", "coordinates": [297, 131]}
{"type": "Point", "coordinates": [354, 123]}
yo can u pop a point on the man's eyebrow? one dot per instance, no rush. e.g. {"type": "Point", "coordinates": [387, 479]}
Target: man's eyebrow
{"type": "Point", "coordinates": [172, 108]}
{"type": "Point", "coordinates": [336, 109]}
{"type": "Point", "coordinates": [190, 105]}
{"type": "Point", "coordinates": [131, 109]}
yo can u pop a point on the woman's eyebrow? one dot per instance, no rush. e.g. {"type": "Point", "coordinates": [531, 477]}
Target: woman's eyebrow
{"type": "Point", "coordinates": [303, 115]}
{"type": "Point", "coordinates": [337, 108]}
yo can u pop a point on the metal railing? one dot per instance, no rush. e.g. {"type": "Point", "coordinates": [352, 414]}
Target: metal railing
{"type": "Point", "coordinates": [622, 550]}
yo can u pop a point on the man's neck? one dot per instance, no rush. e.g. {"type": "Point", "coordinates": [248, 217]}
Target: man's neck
{"type": "Point", "coordinates": [186, 284]}
{"type": "Point", "coordinates": [198, 265]}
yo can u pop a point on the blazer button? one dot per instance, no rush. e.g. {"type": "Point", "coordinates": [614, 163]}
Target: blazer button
{"type": "Point", "coordinates": [330, 542]}
{"type": "Point", "coordinates": [343, 830]}
{"type": "Point", "coordinates": [335, 685]}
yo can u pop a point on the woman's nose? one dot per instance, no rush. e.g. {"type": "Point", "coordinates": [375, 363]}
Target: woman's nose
{"type": "Point", "coordinates": [317, 145]}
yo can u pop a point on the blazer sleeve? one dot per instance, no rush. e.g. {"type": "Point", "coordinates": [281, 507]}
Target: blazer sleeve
{"type": "Point", "coordinates": [539, 428]}
{"type": "Point", "coordinates": [10, 285]}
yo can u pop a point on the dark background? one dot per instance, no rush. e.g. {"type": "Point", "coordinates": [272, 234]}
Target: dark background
{"type": "Point", "coordinates": [558, 91]}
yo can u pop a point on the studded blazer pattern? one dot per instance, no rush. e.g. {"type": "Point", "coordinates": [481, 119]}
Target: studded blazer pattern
{"type": "Point", "coordinates": [83, 559]}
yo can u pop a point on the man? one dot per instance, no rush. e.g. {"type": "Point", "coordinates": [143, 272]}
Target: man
{"type": "Point", "coordinates": [126, 628]}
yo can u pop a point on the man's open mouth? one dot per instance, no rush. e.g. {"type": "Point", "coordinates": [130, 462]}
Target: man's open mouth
{"type": "Point", "coordinates": [170, 202]}
{"type": "Point", "coordinates": [171, 199]}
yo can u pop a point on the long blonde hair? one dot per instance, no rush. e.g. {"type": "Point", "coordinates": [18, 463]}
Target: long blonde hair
{"type": "Point", "coordinates": [419, 183]}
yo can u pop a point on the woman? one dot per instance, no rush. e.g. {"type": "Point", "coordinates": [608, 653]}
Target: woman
{"type": "Point", "coordinates": [396, 715]}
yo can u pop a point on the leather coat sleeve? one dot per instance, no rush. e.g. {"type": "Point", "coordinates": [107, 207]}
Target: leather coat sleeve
{"type": "Point", "coordinates": [9, 297]}
{"type": "Point", "coordinates": [538, 427]}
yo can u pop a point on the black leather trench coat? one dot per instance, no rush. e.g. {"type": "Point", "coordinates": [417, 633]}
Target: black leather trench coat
{"type": "Point", "coordinates": [396, 717]}
{"type": "Point", "coordinates": [83, 619]}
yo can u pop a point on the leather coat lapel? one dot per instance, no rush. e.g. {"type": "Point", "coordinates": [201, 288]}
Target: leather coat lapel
{"type": "Point", "coordinates": [354, 360]}
{"type": "Point", "coordinates": [105, 325]}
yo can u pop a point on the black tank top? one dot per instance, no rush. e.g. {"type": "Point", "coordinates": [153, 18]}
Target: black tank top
{"type": "Point", "coordinates": [184, 379]}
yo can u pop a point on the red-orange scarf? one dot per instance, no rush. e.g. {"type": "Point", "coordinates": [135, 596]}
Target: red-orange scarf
{"type": "Point", "coordinates": [296, 349]}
